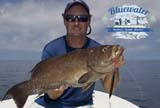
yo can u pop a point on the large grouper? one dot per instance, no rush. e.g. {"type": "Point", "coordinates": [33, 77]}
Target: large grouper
{"type": "Point", "coordinates": [79, 68]}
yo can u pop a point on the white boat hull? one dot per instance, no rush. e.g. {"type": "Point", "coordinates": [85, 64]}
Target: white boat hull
{"type": "Point", "coordinates": [100, 100]}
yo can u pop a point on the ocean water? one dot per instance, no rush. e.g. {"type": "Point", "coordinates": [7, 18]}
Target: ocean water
{"type": "Point", "coordinates": [139, 80]}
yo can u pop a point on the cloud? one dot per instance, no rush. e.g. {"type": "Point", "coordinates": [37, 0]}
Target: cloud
{"type": "Point", "coordinates": [29, 24]}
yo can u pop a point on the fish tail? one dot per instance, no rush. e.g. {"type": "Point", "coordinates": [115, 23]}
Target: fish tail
{"type": "Point", "coordinates": [19, 93]}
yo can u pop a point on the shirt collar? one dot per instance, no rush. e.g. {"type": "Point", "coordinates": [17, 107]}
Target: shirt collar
{"type": "Point", "coordinates": [69, 49]}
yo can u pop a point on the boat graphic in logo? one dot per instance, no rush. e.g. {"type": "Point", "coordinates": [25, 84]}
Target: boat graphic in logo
{"type": "Point", "coordinates": [129, 22]}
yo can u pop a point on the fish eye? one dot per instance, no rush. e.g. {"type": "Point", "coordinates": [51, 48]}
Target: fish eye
{"type": "Point", "coordinates": [104, 49]}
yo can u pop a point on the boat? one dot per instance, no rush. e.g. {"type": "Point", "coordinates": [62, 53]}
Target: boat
{"type": "Point", "coordinates": [100, 100]}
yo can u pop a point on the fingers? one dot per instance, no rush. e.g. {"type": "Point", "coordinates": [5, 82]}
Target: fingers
{"type": "Point", "coordinates": [62, 87]}
{"type": "Point", "coordinates": [55, 93]}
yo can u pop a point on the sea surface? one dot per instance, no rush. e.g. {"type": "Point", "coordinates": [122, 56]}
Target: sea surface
{"type": "Point", "coordinates": [139, 84]}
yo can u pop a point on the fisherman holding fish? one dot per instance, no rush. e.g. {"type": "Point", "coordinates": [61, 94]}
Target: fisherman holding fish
{"type": "Point", "coordinates": [70, 65]}
{"type": "Point", "coordinates": [77, 19]}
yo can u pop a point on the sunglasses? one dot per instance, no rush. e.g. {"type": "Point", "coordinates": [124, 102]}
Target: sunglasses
{"type": "Point", "coordinates": [80, 18]}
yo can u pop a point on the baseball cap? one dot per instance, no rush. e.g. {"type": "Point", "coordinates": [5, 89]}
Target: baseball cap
{"type": "Point", "coordinates": [74, 2]}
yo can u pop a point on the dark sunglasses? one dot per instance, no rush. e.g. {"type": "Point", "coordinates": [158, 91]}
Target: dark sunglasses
{"type": "Point", "coordinates": [72, 18]}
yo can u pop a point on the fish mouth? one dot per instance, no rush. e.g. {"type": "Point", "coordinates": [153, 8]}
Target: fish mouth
{"type": "Point", "coordinates": [118, 57]}
{"type": "Point", "coordinates": [120, 51]}
{"type": "Point", "coordinates": [121, 56]}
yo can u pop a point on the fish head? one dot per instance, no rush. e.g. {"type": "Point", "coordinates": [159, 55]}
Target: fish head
{"type": "Point", "coordinates": [106, 58]}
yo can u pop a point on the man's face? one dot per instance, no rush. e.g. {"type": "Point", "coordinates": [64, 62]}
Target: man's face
{"type": "Point", "coordinates": [77, 27]}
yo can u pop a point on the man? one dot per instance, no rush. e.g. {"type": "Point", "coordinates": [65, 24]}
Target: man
{"type": "Point", "coordinates": [77, 19]}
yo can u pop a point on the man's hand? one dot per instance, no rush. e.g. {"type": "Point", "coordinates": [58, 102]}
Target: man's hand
{"type": "Point", "coordinates": [56, 93]}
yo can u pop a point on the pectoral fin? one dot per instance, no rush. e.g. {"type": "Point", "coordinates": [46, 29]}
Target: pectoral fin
{"type": "Point", "coordinates": [110, 82]}
{"type": "Point", "coordinates": [85, 78]}
{"type": "Point", "coordinates": [85, 88]}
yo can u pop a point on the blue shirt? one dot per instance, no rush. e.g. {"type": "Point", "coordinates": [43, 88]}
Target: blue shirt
{"type": "Point", "coordinates": [72, 97]}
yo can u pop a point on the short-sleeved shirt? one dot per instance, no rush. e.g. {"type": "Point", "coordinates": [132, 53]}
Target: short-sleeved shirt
{"type": "Point", "coordinates": [72, 97]}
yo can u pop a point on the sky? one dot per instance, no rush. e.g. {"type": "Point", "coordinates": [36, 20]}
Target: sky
{"type": "Point", "coordinates": [26, 26]}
